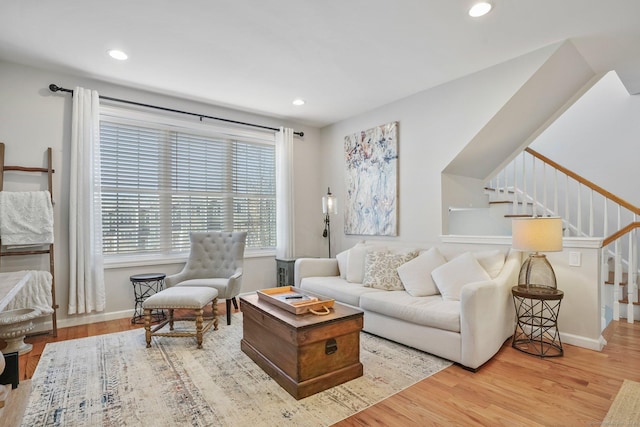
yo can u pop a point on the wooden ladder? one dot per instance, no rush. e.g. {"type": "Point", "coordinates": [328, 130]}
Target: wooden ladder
{"type": "Point", "coordinates": [50, 249]}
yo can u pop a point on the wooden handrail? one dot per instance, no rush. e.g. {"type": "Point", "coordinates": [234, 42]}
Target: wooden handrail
{"type": "Point", "coordinates": [615, 236]}
{"type": "Point", "coordinates": [586, 182]}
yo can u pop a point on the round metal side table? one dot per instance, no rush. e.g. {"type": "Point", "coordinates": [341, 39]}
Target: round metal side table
{"type": "Point", "coordinates": [145, 285]}
{"type": "Point", "coordinates": [536, 332]}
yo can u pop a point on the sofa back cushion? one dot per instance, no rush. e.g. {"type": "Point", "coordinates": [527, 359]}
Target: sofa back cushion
{"type": "Point", "coordinates": [356, 260]}
{"type": "Point", "coordinates": [381, 269]}
{"type": "Point", "coordinates": [416, 274]}
{"type": "Point", "coordinates": [491, 260]}
{"type": "Point", "coordinates": [452, 276]}
{"type": "Point", "coordinates": [343, 260]}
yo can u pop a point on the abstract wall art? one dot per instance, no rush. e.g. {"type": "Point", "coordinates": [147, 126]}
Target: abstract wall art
{"type": "Point", "coordinates": [371, 160]}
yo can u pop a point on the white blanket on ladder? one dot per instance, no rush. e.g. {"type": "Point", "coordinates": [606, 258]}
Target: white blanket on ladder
{"type": "Point", "coordinates": [36, 293]}
{"type": "Point", "coordinates": [26, 218]}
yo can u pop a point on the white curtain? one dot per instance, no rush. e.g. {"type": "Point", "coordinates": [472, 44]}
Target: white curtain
{"type": "Point", "coordinates": [86, 273]}
{"type": "Point", "coordinates": [284, 194]}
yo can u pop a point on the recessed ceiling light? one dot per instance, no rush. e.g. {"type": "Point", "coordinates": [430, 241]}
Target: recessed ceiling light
{"type": "Point", "coordinates": [117, 54]}
{"type": "Point", "coordinates": [480, 9]}
{"type": "Point", "coordinates": [298, 101]}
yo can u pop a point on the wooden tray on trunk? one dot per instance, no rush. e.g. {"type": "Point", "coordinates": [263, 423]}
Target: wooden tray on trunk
{"type": "Point", "coordinates": [295, 300]}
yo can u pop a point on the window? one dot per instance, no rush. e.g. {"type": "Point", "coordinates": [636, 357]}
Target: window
{"type": "Point", "coordinates": [162, 179]}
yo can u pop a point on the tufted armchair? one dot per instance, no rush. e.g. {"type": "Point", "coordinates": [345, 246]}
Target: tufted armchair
{"type": "Point", "coordinates": [215, 260]}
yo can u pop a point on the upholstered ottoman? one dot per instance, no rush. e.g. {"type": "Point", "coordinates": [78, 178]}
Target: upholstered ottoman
{"type": "Point", "coordinates": [183, 297]}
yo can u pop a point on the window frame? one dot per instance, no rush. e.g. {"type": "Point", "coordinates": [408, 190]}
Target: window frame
{"type": "Point", "coordinates": [167, 122]}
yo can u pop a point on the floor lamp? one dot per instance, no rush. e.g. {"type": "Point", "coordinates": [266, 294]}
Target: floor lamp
{"type": "Point", "coordinates": [329, 207]}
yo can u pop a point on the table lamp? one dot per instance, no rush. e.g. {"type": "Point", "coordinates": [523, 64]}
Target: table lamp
{"type": "Point", "coordinates": [537, 234]}
{"type": "Point", "coordinates": [329, 207]}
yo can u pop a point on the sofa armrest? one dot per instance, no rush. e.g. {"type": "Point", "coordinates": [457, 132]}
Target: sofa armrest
{"type": "Point", "coordinates": [315, 267]}
{"type": "Point", "coordinates": [487, 314]}
{"type": "Point", "coordinates": [482, 318]}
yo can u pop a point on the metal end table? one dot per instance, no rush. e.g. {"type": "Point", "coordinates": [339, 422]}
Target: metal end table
{"type": "Point", "coordinates": [536, 332]}
{"type": "Point", "coordinates": [145, 285]}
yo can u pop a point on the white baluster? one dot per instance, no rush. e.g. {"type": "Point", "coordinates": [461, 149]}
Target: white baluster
{"type": "Point", "coordinates": [525, 195]}
{"type": "Point", "coordinates": [605, 226]}
{"type": "Point", "coordinates": [604, 273]}
{"type": "Point", "coordinates": [534, 184]}
{"type": "Point", "coordinates": [555, 192]}
{"type": "Point", "coordinates": [544, 189]}
{"type": "Point", "coordinates": [617, 278]}
{"type": "Point", "coordinates": [566, 206]}
{"type": "Point", "coordinates": [630, 278]}
{"type": "Point", "coordinates": [591, 213]}
{"type": "Point", "coordinates": [515, 189]}
{"type": "Point", "coordinates": [505, 189]}
{"type": "Point", "coordinates": [579, 211]}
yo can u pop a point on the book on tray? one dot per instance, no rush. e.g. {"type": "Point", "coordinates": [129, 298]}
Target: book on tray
{"type": "Point", "coordinates": [294, 298]}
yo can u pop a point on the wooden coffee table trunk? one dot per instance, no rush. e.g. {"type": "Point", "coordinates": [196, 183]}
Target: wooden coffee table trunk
{"type": "Point", "coordinates": [304, 353]}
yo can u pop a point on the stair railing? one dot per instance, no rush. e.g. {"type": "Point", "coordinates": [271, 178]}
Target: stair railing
{"type": "Point", "coordinates": [526, 181]}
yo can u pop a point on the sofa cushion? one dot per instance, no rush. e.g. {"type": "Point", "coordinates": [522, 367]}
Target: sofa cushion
{"type": "Point", "coordinates": [356, 259]}
{"type": "Point", "coordinates": [430, 311]}
{"type": "Point", "coordinates": [416, 274]}
{"type": "Point", "coordinates": [337, 288]}
{"type": "Point", "coordinates": [492, 261]}
{"type": "Point", "coordinates": [452, 276]}
{"type": "Point", "coordinates": [343, 259]}
{"type": "Point", "coordinates": [381, 269]}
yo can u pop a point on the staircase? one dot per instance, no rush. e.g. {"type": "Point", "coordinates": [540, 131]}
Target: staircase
{"type": "Point", "coordinates": [535, 185]}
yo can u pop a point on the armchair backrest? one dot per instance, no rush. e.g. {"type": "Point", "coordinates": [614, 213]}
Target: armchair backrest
{"type": "Point", "coordinates": [215, 254]}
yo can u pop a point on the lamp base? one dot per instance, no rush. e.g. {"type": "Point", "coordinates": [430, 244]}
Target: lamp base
{"type": "Point", "coordinates": [536, 272]}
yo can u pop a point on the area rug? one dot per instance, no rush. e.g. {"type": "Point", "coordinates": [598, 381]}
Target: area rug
{"type": "Point", "coordinates": [14, 407]}
{"type": "Point", "coordinates": [625, 409]}
{"type": "Point", "coordinates": [114, 380]}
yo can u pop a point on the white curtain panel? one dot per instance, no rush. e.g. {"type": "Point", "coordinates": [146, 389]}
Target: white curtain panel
{"type": "Point", "coordinates": [284, 194]}
{"type": "Point", "coordinates": [86, 273]}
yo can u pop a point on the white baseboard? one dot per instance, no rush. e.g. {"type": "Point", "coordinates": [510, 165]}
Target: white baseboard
{"type": "Point", "coordinates": [84, 319]}
{"type": "Point", "coordinates": [580, 341]}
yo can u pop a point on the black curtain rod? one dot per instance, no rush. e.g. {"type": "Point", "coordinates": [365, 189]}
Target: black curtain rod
{"type": "Point", "coordinates": [56, 88]}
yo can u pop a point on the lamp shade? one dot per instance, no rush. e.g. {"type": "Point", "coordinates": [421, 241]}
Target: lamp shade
{"type": "Point", "coordinates": [538, 234]}
{"type": "Point", "coordinates": [329, 203]}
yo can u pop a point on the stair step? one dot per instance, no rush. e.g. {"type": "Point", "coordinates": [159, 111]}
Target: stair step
{"type": "Point", "coordinates": [495, 190]}
{"type": "Point", "coordinates": [623, 282]}
{"type": "Point", "coordinates": [508, 202]}
{"type": "Point", "coordinates": [518, 216]}
{"type": "Point", "coordinates": [624, 301]}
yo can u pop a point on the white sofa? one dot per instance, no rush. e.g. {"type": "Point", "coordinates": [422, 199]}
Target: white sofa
{"type": "Point", "coordinates": [451, 302]}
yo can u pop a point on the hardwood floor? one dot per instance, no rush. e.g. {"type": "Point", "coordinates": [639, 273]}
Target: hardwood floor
{"type": "Point", "coordinates": [515, 389]}
{"type": "Point", "coordinates": [512, 389]}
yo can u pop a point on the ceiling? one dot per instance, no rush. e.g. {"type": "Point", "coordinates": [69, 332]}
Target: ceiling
{"type": "Point", "coordinates": [343, 57]}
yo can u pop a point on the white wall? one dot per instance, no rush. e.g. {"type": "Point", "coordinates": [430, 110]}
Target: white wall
{"type": "Point", "coordinates": [32, 119]}
{"type": "Point", "coordinates": [599, 138]}
{"type": "Point", "coordinates": [580, 310]}
{"type": "Point", "coordinates": [434, 126]}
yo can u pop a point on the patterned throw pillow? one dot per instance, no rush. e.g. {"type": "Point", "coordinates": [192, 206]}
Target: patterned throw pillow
{"type": "Point", "coordinates": [381, 269]}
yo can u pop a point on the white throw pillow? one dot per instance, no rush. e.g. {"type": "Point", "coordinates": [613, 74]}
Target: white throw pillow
{"type": "Point", "coordinates": [492, 261]}
{"type": "Point", "coordinates": [355, 261]}
{"type": "Point", "coordinates": [452, 276]}
{"type": "Point", "coordinates": [416, 274]}
{"type": "Point", "coordinates": [381, 269]}
{"type": "Point", "coordinates": [343, 259]}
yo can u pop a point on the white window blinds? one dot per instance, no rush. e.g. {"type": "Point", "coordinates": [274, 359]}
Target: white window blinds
{"type": "Point", "coordinates": [160, 182]}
